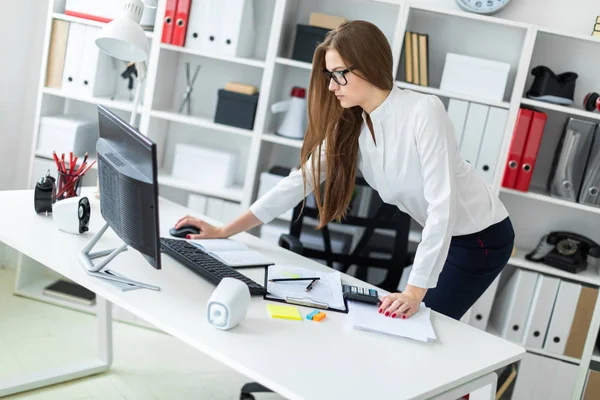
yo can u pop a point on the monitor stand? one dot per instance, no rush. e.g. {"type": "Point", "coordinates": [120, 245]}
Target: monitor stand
{"type": "Point", "coordinates": [98, 270]}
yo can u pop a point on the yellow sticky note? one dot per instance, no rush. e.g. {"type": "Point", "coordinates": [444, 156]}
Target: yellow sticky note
{"type": "Point", "coordinates": [290, 275]}
{"type": "Point", "coordinates": [285, 312]}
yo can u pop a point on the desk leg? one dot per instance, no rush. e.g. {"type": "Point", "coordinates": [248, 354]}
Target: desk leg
{"type": "Point", "coordinates": [482, 388]}
{"type": "Point", "coordinates": [73, 371]}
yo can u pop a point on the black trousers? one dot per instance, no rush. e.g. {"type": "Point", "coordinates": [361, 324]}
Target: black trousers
{"type": "Point", "coordinates": [473, 262]}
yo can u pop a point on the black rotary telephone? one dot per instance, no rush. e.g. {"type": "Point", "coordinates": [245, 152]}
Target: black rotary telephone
{"type": "Point", "coordinates": [567, 251]}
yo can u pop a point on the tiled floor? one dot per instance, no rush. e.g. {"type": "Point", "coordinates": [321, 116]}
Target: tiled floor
{"type": "Point", "coordinates": [147, 365]}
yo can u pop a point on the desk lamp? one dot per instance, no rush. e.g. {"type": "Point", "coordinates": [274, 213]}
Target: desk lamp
{"type": "Point", "coordinates": [123, 38]}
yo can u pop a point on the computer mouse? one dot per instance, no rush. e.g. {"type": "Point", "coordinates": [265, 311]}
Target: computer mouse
{"type": "Point", "coordinates": [183, 231]}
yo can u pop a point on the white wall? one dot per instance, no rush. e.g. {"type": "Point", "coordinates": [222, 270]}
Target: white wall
{"type": "Point", "coordinates": [22, 42]}
{"type": "Point", "coordinates": [571, 16]}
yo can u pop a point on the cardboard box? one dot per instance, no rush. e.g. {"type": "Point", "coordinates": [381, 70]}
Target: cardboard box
{"type": "Point", "coordinates": [326, 21]}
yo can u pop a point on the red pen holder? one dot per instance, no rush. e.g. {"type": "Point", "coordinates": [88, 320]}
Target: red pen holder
{"type": "Point", "coordinates": [67, 186]}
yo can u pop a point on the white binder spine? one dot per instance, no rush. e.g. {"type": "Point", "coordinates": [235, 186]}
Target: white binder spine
{"type": "Point", "coordinates": [473, 132]}
{"type": "Point", "coordinates": [237, 29]}
{"type": "Point", "coordinates": [75, 43]}
{"type": "Point", "coordinates": [480, 312]}
{"type": "Point", "coordinates": [457, 111]}
{"type": "Point", "coordinates": [96, 76]}
{"type": "Point", "coordinates": [540, 312]}
{"type": "Point", "coordinates": [512, 305]}
{"type": "Point", "coordinates": [562, 317]}
{"type": "Point", "coordinates": [491, 143]}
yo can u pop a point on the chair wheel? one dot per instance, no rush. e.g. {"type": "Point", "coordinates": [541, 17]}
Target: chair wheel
{"type": "Point", "coordinates": [246, 396]}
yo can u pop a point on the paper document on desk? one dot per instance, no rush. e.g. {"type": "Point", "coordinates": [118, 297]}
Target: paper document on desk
{"type": "Point", "coordinates": [327, 291]}
{"type": "Point", "coordinates": [418, 326]}
{"type": "Point", "coordinates": [231, 252]}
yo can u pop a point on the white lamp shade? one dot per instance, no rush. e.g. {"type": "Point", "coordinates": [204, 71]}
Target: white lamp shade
{"type": "Point", "coordinates": [123, 38]}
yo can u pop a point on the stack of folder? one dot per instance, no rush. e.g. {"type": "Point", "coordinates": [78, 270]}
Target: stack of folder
{"type": "Point", "coordinates": [575, 174]}
{"type": "Point", "coordinates": [524, 146]}
{"type": "Point", "coordinates": [416, 58]}
{"type": "Point", "coordinates": [479, 130]}
{"type": "Point", "coordinates": [214, 26]}
{"type": "Point", "coordinates": [596, 31]}
{"type": "Point", "coordinates": [543, 312]}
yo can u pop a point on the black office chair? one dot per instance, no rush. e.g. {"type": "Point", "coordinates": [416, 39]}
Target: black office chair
{"type": "Point", "coordinates": [370, 243]}
{"type": "Point", "coordinates": [380, 216]}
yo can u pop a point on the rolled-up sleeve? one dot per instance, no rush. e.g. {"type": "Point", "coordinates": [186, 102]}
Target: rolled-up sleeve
{"type": "Point", "coordinates": [434, 138]}
{"type": "Point", "coordinates": [287, 193]}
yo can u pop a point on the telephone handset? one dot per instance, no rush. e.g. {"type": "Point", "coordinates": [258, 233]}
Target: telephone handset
{"type": "Point", "coordinates": [567, 251]}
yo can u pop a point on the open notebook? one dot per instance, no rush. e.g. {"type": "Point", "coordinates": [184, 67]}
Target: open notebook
{"type": "Point", "coordinates": [232, 253]}
{"type": "Point", "coordinates": [326, 293]}
{"type": "Point", "coordinates": [418, 326]}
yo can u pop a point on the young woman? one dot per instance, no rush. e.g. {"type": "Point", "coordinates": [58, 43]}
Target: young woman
{"type": "Point", "coordinates": [404, 145]}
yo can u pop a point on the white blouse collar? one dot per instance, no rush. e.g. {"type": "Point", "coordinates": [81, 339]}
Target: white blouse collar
{"type": "Point", "coordinates": [383, 109]}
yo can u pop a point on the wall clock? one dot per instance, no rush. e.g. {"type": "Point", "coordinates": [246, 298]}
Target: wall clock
{"type": "Point", "coordinates": [482, 6]}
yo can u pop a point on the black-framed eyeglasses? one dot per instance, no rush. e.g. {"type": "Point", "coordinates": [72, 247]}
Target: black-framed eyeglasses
{"type": "Point", "coordinates": [338, 76]}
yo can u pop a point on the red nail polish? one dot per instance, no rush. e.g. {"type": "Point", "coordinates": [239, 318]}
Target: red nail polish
{"type": "Point", "coordinates": [380, 310]}
{"type": "Point", "coordinates": [394, 315]}
{"type": "Point", "coordinates": [187, 236]}
{"type": "Point", "coordinates": [404, 317]}
{"type": "Point", "coordinates": [387, 313]}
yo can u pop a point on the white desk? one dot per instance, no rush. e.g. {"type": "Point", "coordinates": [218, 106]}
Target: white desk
{"type": "Point", "coordinates": [297, 359]}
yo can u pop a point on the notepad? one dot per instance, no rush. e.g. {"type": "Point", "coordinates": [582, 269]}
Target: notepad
{"type": "Point", "coordinates": [232, 253]}
{"type": "Point", "coordinates": [418, 326]}
{"type": "Point", "coordinates": [284, 312]}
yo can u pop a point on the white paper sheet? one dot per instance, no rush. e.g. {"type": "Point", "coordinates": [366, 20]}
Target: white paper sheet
{"type": "Point", "coordinates": [418, 326]}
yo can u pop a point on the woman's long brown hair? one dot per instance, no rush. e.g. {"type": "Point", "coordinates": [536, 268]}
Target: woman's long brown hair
{"type": "Point", "coordinates": [363, 46]}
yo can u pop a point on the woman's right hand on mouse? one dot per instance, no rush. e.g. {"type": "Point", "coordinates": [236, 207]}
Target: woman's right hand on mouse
{"type": "Point", "coordinates": [207, 231]}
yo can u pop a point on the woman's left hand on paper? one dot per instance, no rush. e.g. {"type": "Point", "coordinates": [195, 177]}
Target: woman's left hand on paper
{"type": "Point", "coordinates": [402, 305]}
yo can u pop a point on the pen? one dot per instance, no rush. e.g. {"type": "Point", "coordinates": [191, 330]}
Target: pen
{"type": "Point", "coordinates": [310, 285]}
{"type": "Point", "coordinates": [293, 279]}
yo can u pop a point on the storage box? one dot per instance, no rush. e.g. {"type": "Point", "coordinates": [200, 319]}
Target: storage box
{"type": "Point", "coordinates": [236, 109]}
{"type": "Point", "coordinates": [307, 39]}
{"type": "Point", "coordinates": [66, 133]}
{"type": "Point", "coordinates": [473, 76]}
{"type": "Point", "coordinates": [204, 166]}
{"type": "Point", "coordinates": [325, 21]}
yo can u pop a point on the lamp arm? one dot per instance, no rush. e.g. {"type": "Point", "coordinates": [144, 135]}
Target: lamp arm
{"type": "Point", "coordinates": [141, 67]}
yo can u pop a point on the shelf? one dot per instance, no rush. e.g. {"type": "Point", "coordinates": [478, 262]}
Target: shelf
{"type": "Point", "coordinates": [560, 357]}
{"type": "Point", "coordinates": [445, 93]}
{"type": "Point", "coordinates": [271, 137]}
{"type": "Point", "coordinates": [596, 355]}
{"type": "Point", "coordinates": [102, 101]}
{"type": "Point", "coordinates": [468, 15]}
{"type": "Point", "coordinates": [569, 35]}
{"type": "Point", "coordinates": [233, 193]}
{"type": "Point", "coordinates": [35, 291]}
{"type": "Point", "coordinates": [552, 200]}
{"type": "Point", "coordinates": [88, 22]}
{"type": "Point", "coordinates": [293, 63]}
{"type": "Point", "coordinates": [199, 121]}
{"type": "Point", "coordinates": [492, 330]}
{"type": "Point", "coordinates": [239, 60]}
{"type": "Point", "coordinates": [588, 276]}
{"type": "Point", "coordinates": [560, 108]}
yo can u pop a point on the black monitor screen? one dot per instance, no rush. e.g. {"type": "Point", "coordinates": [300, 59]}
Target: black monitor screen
{"type": "Point", "coordinates": [127, 173]}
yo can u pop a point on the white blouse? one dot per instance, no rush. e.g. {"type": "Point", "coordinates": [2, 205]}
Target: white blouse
{"type": "Point", "coordinates": [414, 164]}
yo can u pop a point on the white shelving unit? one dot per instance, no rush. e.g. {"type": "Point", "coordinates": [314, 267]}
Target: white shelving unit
{"type": "Point", "coordinates": [274, 72]}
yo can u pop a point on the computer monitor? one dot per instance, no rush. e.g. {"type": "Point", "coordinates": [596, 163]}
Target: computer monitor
{"type": "Point", "coordinates": [127, 173]}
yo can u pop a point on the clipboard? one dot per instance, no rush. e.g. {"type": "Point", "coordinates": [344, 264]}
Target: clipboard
{"type": "Point", "coordinates": [305, 301]}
